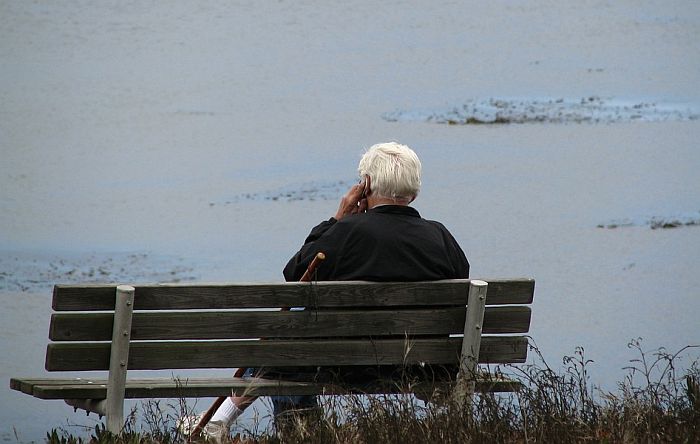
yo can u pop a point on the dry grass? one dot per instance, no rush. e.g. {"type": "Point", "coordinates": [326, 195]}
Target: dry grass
{"type": "Point", "coordinates": [652, 404]}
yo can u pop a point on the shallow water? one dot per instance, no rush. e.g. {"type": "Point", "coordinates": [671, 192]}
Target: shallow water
{"type": "Point", "coordinates": [203, 141]}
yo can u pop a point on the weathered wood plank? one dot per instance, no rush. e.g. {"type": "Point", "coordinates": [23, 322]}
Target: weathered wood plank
{"type": "Point", "coordinates": [247, 353]}
{"type": "Point", "coordinates": [21, 385]}
{"type": "Point", "coordinates": [211, 387]}
{"type": "Point", "coordinates": [317, 294]}
{"type": "Point", "coordinates": [93, 326]}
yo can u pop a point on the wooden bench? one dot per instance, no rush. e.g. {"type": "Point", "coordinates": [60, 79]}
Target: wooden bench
{"type": "Point", "coordinates": [193, 326]}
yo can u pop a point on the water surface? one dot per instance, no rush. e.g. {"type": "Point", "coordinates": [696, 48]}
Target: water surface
{"type": "Point", "coordinates": [140, 142]}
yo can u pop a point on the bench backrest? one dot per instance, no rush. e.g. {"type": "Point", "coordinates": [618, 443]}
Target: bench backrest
{"type": "Point", "coordinates": [185, 326]}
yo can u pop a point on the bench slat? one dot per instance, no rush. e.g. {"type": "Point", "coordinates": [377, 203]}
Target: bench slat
{"type": "Point", "coordinates": [92, 326]}
{"type": "Point", "coordinates": [71, 388]}
{"type": "Point", "coordinates": [247, 353]}
{"type": "Point", "coordinates": [320, 294]}
{"type": "Point", "coordinates": [23, 385]}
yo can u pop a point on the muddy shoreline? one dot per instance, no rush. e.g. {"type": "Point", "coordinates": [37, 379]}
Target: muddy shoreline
{"type": "Point", "coordinates": [34, 272]}
{"type": "Point", "coordinates": [591, 110]}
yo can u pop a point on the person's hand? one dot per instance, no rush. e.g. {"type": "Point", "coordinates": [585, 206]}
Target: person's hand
{"type": "Point", "coordinates": [353, 202]}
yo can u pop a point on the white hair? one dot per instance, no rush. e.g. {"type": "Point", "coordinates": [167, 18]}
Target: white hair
{"type": "Point", "coordinates": [394, 170]}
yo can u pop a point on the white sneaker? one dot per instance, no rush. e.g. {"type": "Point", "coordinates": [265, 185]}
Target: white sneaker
{"type": "Point", "coordinates": [214, 431]}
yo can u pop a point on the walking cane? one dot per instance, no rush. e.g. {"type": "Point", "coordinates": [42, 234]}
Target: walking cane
{"type": "Point", "coordinates": [206, 417]}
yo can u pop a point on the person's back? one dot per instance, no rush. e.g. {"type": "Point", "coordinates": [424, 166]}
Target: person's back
{"type": "Point", "coordinates": [387, 243]}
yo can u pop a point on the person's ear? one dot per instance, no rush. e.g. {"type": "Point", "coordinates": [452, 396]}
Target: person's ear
{"type": "Point", "coordinates": [368, 185]}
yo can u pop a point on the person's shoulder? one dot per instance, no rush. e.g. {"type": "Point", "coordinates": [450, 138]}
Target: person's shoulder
{"type": "Point", "coordinates": [436, 224]}
{"type": "Point", "coordinates": [349, 222]}
{"type": "Point", "coordinates": [440, 228]}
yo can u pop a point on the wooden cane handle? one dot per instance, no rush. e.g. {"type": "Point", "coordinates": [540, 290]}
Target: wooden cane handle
{"type": "Point", "coordinates": [308, 274]}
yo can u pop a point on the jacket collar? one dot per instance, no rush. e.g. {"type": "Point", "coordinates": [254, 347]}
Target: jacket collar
{"type": "Point", "coordinates": [395, 209]}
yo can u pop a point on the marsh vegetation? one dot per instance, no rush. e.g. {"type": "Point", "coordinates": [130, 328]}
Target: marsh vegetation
{"type": "Point", "coordinates": [655, 402]}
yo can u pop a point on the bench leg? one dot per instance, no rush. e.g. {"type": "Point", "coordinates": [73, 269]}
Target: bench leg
{"type": "Point", "coordinates": [119, 358]}
{"type": "Point", "coordinates": [472, 341]}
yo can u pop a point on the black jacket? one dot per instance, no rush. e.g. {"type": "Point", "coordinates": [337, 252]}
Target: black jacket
{"type": "Point", "coordinates": [387, 243]}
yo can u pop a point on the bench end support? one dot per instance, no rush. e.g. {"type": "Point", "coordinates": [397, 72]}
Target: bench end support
{"type": "Point", "coordinates": [476, 305]}
{"type": "Point", "coordinates": [119, 358]}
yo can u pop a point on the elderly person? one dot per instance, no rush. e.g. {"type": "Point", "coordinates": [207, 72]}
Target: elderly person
{"type": "Point", "coordinates": [376, 236]}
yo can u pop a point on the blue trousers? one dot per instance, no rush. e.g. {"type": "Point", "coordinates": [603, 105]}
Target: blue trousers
{"type": "Point", "coordinates": [281, 404]}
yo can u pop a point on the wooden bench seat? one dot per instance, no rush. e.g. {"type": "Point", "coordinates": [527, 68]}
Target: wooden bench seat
{"type": "Point", "coordinates": [96, 388]}
{"type": "Point", "coordinates": [200, 326]}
